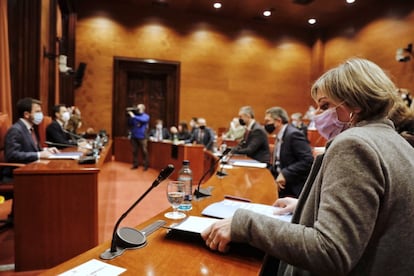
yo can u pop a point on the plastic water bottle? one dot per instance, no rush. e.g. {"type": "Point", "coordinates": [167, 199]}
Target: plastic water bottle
{"type": "Point", "coordinates": [186, 175]}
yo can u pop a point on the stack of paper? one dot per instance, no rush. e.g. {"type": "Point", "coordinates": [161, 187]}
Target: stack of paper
{"type": "Point", "coordinates": [227, 208]}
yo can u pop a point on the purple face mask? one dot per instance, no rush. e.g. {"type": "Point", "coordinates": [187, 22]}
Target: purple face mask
{"type": "Point", "coordinates": [328, 124]}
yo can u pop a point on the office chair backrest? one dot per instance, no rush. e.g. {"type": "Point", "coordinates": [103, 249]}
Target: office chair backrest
{"type": "Point", "coordinates": [5, 124]}
{"type": "Point", "coordinates": [47, 120]}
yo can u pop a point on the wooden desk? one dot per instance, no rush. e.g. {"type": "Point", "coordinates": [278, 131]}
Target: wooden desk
{"type": "Point", "coordinates": [56, 211]}
{"type": "Point", "coordinates": [166, 256]}
{"type": "Point", "coordinates": [163, 153]}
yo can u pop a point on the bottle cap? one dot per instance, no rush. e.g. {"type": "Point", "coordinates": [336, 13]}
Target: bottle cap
{"type": "Point", "coordinates": [186, 162]}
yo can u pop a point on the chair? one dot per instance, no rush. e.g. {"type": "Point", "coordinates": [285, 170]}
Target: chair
{"type": "Point", "coordinates": [47, 120]}
{"type": "Point", "coordinates": [6, 181]}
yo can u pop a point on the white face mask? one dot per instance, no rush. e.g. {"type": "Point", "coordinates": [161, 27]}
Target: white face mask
{"type": "Point", "coordinates": [37, 118]}
{"type": "Point", "coordinates": [65, 116]}
{"type": "Point", "coordinates": [159, 126]}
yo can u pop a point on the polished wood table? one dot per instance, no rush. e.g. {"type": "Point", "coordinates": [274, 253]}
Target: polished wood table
{"type": "Point", "coordinates": [164, 255]}
{"type": "Point", "coordinates": [55, 211]}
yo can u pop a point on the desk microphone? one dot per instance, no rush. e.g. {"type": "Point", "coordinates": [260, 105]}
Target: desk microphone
{"type": "Point", "coordinates": [60, 144]}
{"type": "Point", "coordinates": [205, 192]}
{"type": "Point", "coordinates": [221, 172]}
{"type": "Point", "coordinates": [72, 134]}
{"type": "Point", "coordinates": [127, 237]}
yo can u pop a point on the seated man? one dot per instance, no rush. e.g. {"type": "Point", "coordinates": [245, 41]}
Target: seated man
{"type": "Point", "coordinates": [255, 143]}
{"type": "Point", "coordinates": [22, 139]}
{"type": "Point", "coordinates": [292, 156]}
{"type": "Point", "coordinates": [55, 131]}
{"type": "Point", "coordinates": [202, 135]}
{"type": "Point", "coordinates": [159, 133]}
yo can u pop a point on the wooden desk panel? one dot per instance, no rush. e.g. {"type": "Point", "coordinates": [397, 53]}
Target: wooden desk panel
{"type": "Point", "coordinates": [163, 153]}
{"type": "Point", "coordinates": [166, 256]}
{"type": "Point", "coordinates": [55, 211]}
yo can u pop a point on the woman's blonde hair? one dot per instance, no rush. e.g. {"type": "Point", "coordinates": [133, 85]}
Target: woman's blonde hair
{"type": "Point", "coordinates": [361, 85]}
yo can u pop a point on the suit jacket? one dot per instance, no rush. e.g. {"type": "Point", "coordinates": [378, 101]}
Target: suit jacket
{"type": "Point", "coordinates": [295, 161]}
{"type": "Point", "coordinates": [256, 144]}
{"type": "Point", "coordinates": [165, 133]}
{"type": "Point", "coordinates": [55, 134]}
{"type": "Point", "coordinates": [208, 138]}
{"type": "Point", "coordinates": [19, 146]}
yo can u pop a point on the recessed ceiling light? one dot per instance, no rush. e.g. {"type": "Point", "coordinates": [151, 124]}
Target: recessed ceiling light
{"type": "Point", "coordinates": [217, 5]}
{"type": "Point", "coordinates": [311, 21]}
{"type": "Point", "coordinates": [350, 1]}
{"type": "Point", "coordinates": [268, 12]}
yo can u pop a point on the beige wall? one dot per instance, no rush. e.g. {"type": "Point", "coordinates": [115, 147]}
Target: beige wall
{"type": "Point", "coordinates": [223, 65]}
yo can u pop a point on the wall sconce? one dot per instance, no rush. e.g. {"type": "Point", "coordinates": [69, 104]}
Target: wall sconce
{"type": "Point", "coordinates": [404, 54]}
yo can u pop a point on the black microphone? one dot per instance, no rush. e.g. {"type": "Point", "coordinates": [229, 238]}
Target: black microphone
{"type": "Point", "coordinates": [221, 173]}
{"type": "Point", "coordinates": [72, 134]}
{"type": "Point", "coordinates": [205, 192]}
{"type": "Point", "coordinates": [60, 144]}
{"type": "Point", "coordinates": [127, 237]}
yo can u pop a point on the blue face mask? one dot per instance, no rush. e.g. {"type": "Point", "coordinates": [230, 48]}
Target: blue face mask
{"type": "Point", "coordinates": [37, 118]}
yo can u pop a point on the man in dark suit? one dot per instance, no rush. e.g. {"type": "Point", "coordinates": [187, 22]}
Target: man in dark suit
{"type": "Point", "coordinates": [292, 156]}
{"type": "Point", "coordinates": [22, 140]}
{"type": "Point", "coordinates": [255, 143]}
{"type": "Point", "coordinates": [55, 131]}
{"type": "Point", "coordinates": [160, 132]}
{"type": "Point", "coordinates": [202, 135]}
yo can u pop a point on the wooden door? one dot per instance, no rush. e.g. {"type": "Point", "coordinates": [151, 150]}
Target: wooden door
{"type": "Point", "coordinates": [155, 84]}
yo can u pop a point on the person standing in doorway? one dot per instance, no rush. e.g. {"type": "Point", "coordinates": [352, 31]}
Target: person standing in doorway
{"type": "Point", "coordinates": [138, 122]}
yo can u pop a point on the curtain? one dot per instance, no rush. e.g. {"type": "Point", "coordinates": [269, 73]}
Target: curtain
{"type": "Point", "coordinates": [5, 86]}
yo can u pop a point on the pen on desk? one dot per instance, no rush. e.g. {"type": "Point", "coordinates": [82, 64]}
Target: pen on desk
{"type": "Point", "coordinates": [237, 198]}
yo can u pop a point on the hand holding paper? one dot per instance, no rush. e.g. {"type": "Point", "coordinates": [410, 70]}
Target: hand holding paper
{"type": "Point", "coordinates": [217, 235]}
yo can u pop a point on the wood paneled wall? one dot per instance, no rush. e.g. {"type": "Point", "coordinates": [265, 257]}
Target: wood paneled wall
{"type": "Point", "coordinates": [224, 65]}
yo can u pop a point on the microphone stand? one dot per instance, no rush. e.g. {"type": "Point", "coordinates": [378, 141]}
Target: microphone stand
{"type": "Point", "coordinates": [199, 193]}
{"type": "Point", "coordinates": [221, 173]}
{"type": "Point", "coordinates": [127, 237]}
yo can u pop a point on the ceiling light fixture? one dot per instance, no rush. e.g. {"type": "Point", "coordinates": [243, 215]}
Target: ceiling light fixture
{"type": "Point", "coordinates": [217, 5]}
{"type": "Point", "coordinates": [350, 1]}
{"type": "Point", "coordinates": [268, 12]}
{"type": "Point", "coordinates": [311, 21]}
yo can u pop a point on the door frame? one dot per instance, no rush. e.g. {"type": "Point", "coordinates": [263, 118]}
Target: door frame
{"type": "Point", "coordinates": [123, 65]}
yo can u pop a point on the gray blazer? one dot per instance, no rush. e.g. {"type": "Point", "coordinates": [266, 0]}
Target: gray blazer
{"type": "Point", "coordinates": [355, 215]}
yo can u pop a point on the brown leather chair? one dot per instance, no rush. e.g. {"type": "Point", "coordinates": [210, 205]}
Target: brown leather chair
{"type": "Point", "coordinates": [47, 120]}
{"type": "Point", "coordinates": [6, 180]}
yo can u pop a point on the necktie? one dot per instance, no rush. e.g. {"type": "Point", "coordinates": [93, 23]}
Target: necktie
{"type": "Point", "coordinates": [200, 136]}
{"type": "Point", "coordinates": [276, 152]}
{"type": "Point", "coordinates": [34, 137]}
{"type": "Point", "coordinates": [246, 134]}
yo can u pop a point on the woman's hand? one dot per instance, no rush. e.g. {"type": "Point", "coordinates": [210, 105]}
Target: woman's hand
{"type": "Point", "coordinates": [287, 205]}
{"type": "Point", "coordinates": [217, 236]}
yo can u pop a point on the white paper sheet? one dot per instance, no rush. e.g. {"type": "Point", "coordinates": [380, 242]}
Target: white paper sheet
{"type": "Point", "coordinates": [95, 268]}
{"type": "Point", "coordinates": [195, 224]}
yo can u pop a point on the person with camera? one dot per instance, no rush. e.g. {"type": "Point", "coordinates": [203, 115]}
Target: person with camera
{"type": "Point", "coordinates": [138, 123]}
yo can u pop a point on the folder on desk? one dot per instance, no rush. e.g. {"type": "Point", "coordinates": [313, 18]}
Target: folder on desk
{"type": "Point", "coordinates": [226, 208]}
{"type": "Point", "coordinates": [67, 155]}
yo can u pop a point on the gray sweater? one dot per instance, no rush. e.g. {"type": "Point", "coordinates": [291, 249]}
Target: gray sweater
{"type": "Point", "coordinates": [355, 218]}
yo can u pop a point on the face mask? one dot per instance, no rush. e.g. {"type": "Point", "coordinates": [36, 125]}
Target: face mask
{"type": "Point", "coordinates": [269, 128]}
{"type": "Point", "coordinates": [37, 118]}
{"type": "Point", "coordinates": [328, 124]}
{"type": "Point", "coordinates": [294, 123]}
{"type": "Point", "coordinates": [202, 127]}
{"type": "Point", "coordinates": [242, 122]}
{"type": "Point", "coordinates": [65, 116]}
{"type": "Point", "coordinates": [159, 126]}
